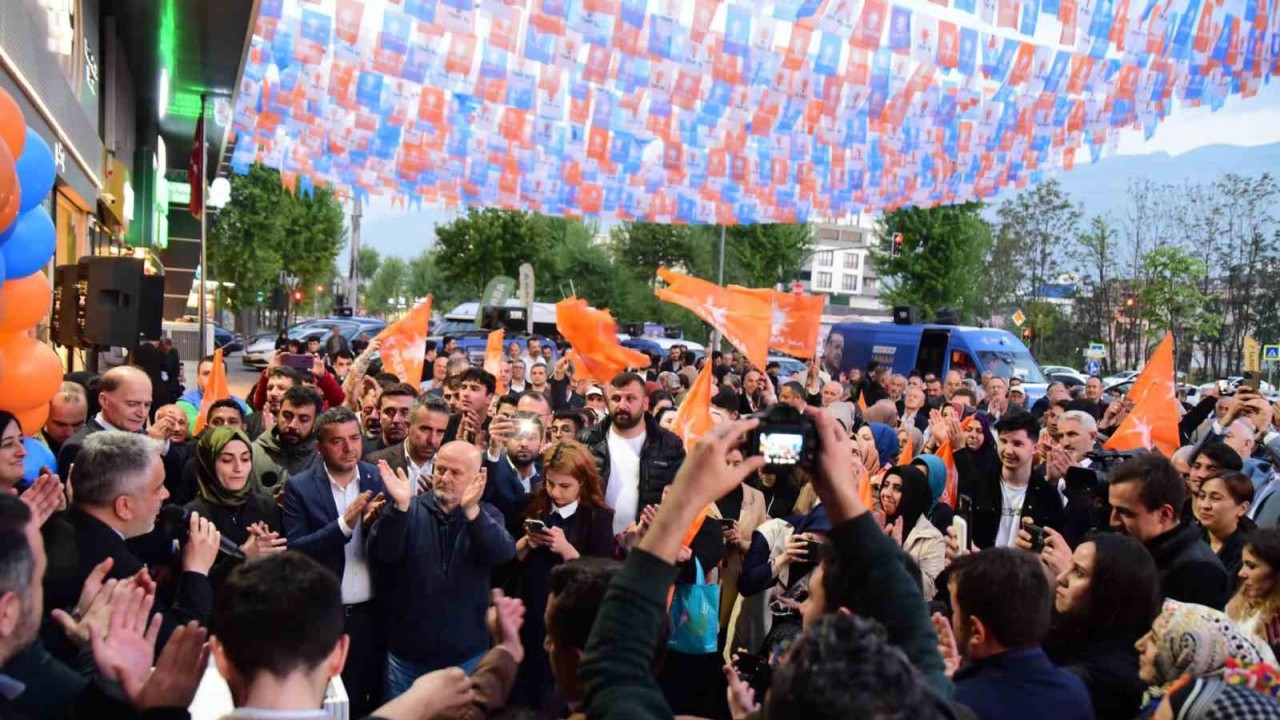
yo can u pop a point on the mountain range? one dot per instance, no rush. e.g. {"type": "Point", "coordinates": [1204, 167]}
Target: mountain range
{"type": "Point", "coordinates": [1103, 187]}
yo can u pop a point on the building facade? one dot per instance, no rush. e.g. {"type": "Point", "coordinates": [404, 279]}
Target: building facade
{"type": "Point", "coordinates": [839, 266]}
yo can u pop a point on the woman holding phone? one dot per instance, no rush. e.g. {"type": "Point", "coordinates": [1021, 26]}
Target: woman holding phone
{"type": "Point", "coordinates": [566, 519]}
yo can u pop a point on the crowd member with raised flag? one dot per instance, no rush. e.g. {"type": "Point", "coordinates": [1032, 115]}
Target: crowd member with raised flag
{"type": "Point", "coordinates": [637, 458]}
{"type": "Point", "coordinates": [1146, 495]}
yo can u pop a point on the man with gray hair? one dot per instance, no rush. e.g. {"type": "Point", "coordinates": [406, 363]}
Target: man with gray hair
{"type": "Point", "coordinates": [118, 488]}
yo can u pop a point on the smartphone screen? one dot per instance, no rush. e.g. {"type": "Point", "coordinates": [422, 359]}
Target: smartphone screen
{"type": "Point", "coordinates": [781, 447]}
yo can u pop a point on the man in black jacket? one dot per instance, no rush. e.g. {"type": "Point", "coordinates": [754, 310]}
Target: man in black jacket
{"type": "Point", "coordinates": [636, 457]}
{"type": "Point", "coordinates": [1146, 496]}
{"type": "Point", "coordinates": [1003, 495]}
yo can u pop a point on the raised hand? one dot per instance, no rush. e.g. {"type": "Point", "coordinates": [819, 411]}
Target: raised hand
{"type": "Point", "coordinates": [947, 646]}
{"type": "Point", "coordinates": [263, 545]}
{"type": "Point", "coordinates": [160, 429]}
{"type": "Point", "coordinates": [1057, 553]}
{"type": "Point", "coordinates": [177, 673]}
{"type": "Point", "coordinates": [93, 613]}
{"type": "Point", "coordinates": [741, 696]}
{"type": "Point", "coordinates": [470, 500]}
{"type": "Point", "coordinates": [44, 497]}
{"type": "Point", "coordinates": [355, 511]}
{"type": "Point", "coordinates": [837, 479]}
{"type": "Point", "coordinates": [373, 510]}
{"type": "Point", "coordinates": [129, 644]}
{"type": "Point", "coordinates": [506, 617]}
{"type": "Point", "coordinates": [202, 545]}
{"type": "Point", "coordinates": [397, 485]}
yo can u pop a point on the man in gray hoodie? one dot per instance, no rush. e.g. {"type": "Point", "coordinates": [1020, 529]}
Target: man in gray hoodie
{"type": "Point", "coordinates": [289, 447]}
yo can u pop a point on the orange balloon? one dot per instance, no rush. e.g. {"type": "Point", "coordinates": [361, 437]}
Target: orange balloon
{"type": "Point", "coordinates": [33, 373]}
{"type": "Point", "coordinates": [33, 420]}
{"type": "Point", "coordinates": [13, 128]}
{"type": "Point", "coordinates": [24, 302]}
{"type": "Point", "coordinates": [10, 189]}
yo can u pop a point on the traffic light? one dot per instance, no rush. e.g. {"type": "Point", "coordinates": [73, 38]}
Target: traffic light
{"type": "Point", "coordinates": [297, 296]}
{"type": "Point", "coordinates": [897, 244]}
{"type": "Point", "coordinates": [1026, 333]}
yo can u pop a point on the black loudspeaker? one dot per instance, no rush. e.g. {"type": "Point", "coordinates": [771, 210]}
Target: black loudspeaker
{"type": "Point", "coordinates": [66, 322]}
{"type": "Point", "coordinates": [122, 304]}
{"type": "Point", "coordinates": [948, 316]}
{"type": "Point", "coordinates": [504, 318]}
{"type": "Point", "coordinates": [905, 315]}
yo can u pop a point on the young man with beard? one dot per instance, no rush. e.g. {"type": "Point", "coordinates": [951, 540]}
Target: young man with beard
{"type": "Point", "coordinates": [428, 420]}
{"type": "Point", "coordinates": [1004, 494]}
{"type": "Point", "coordinates": [636, 457]}
{"type": "Point", "coordinates": [279, 379]}
{"type": "Point", "coordinates": [393, 417]}
{"type": "Point", "coordinates": [288, 448]}
{"type": "Point", "coordinates": [513, 464]}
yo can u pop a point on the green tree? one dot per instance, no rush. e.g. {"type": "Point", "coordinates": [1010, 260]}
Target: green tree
{"type": "Point", "coordinates": [1040, 223]}
{"type": "Point", "coordinates": [1171, 300]}
{"type": "Point", "coordinates": [264, 229]}
{"type": "Point", "coordinates": [486, 243]}
{"type": "Point", "coordinates": [766, 255]}
{"type": "Point", "coordinates": [388, 284]}
{"type": "Point", "coordinates": [645, 247]}
{"type": "Point", "coordinates": [943, 249]}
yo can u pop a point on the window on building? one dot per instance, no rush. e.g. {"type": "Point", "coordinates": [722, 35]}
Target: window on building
{"type": "Point", "coordinates": [824, 280]}
{"type": "Point", "coordinates": [851, 283]}
{"type": "Point", "coordinates": [825, 258]}
{"type": "Point", "coordinates": [852, 261]}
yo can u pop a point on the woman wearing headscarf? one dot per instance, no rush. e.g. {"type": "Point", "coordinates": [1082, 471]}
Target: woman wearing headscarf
{"type": "Point", "coordinates": [882, 412]}
{"type": "Point", "coordinates": [983, 455]}
{"type": "Point", "coordinates": [940, 513]}
{"type": "Point", "coordinates": [1212, 698]}
{"type": "Point", "coordinates": [910, 437]}
{"type": "Point", "coordinates": [229, 495]}
{"type": "Point", "coordinates": [1192, 640]}
{"type": "Point", "coordinates": [905, 498]}
{"type": "Point", "coordinates": [1106, 598]}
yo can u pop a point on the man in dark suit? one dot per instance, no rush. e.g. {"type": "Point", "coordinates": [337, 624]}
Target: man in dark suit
{"type": "Point", "coordinates": [124, 394]}
{"type": "Point", "coordinates": [327, 511]}
{"type": "Point", "coordinates": [394, 404]}
{"type": "Point", "coordinates": [428, 420]}
{"type": "Point", "coordinates": [513, 465]}
{"type": "Point", "coordinates": [118, 487]}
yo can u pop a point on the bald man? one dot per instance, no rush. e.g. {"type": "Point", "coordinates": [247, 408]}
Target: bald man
{"type": "Point", "coordinates": [831, 392]}
{"type": "Point", "coordinates": [124, 394]}
{"type": "Point", "coordinates": [68, 412]}
{"type": "Point", "coordinates": [437, 551]}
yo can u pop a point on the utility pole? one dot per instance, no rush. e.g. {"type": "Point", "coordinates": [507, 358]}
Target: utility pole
{"type": "Point", "coordinates": [353, 292]}
{"type": "Point", "coordinates": [715, 334]}
{"type": "Point", "coordinates": [203, 316]}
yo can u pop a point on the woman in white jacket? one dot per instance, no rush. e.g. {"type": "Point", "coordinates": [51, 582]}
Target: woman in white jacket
{"type": "Point", "coordinates": [905, 500]}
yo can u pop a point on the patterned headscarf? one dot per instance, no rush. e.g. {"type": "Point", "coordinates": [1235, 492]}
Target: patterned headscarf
{"type": "Point", "coordinates": [1197, 640]}
{"type": "Point", "coordinates": [208, 449]}
{"type": "Point", "coordinates": [1212, 698]}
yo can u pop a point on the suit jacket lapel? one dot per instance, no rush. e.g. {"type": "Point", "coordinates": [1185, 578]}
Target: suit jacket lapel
{"type": "Point", "coordinates": [326, 495]}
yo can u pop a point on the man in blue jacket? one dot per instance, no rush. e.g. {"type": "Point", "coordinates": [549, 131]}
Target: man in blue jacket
{"type": "Point", "coordinates": [1001, 605]}
{"type": "Point", "coordinates": [435, 552]}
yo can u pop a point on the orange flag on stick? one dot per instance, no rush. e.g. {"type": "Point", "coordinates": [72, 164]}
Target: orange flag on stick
{"type": "Point", "coordinates": [493, 357]}
{"type": "Point", "coordinates": [1153, 422]}
{"type": "Point", "coordinates": [404, 344]}
{"type": "Point", "coordinates": [908, 453]}
{"type": "Point", "coordinates": [215, 389]}
{"type": "Point", "coordinates": [693, 419]}
{"type": "Point", "coordinates": [594, 337]}
{"type": "Point", "coordinates": [796, 320]}
{"type": "Point", "coordinates": [743, 318]}
{"type": "Point", "coordinates": [950, 491]}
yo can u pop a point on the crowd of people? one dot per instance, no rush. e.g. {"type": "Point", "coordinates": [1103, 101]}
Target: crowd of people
{"type": "Point", "coordinates": [540, 544]}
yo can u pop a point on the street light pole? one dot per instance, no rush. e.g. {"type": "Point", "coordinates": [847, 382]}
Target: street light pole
{"type": "Point", "coordinates": [353, 292]}
{"type": "Point", "coordinates": [715, 335]}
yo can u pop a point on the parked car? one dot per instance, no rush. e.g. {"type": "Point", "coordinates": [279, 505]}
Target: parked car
{"type": "Point", "coordinates": [259, 353]}
{"type": "Point", "coordinates": [788, 366]}
{"type": "Point", "coordinates": [1054, 371]}
{"type": "Point", "coordinates": [1071, 380]}
{"type": "Point", "coordinates": [227, 340]}
{"type": "Point", "coordinates": [1122, 376]}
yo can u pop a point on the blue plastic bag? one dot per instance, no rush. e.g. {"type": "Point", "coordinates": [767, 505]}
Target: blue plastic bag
{"type": "Point", "coordinates": [695, 616]}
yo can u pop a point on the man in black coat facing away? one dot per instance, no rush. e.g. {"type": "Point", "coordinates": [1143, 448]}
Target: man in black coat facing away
{"type": "Point", "coordinates": [1146, 496]}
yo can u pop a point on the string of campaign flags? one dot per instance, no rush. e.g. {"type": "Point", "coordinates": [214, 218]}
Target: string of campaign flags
{"type": "Point", "coordinates": [723, 112]}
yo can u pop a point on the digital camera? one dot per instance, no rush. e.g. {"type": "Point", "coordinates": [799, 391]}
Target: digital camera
{"type": "Point", "coordinates": [786, 437]}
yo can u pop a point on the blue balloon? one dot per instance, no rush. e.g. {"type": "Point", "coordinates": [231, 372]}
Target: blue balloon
{"type": "Point", "coordinates": [38, 455]}
{"type": "Point", "coordinates": [36, 171]}
{"type": "Point", "coordinates": [31, 245]}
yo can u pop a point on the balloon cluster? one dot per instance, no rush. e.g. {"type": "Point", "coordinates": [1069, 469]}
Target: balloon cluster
{"type": "Point", "coordinates": [30, 371]}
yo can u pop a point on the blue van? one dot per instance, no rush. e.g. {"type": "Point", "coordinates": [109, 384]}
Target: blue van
{"type": "Point", "coordinates": [934, 349]}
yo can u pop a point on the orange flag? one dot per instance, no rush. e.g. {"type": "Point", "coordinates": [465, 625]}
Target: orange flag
{"type": "Point", "coordinates": [594, 337]}
{"type": "Point", "coordinates": [743, 318]}
{"type": "Point", "coordinates": [493, 357]}
{"type": "Point", "coordinates": [864, 493]}
{"type": "Point", "coordinates": [951, 491]}
{"type": "Point", "coordinates": [796, 320]}
{"type": "Point", "coordinates": [693, 419]}
{"type": "Point", "coordinates": [215, 389]}
{"type": "Point", "coordinates": [1153, 422]}
{"type": "Point", "coordinates": [404, 344]}
{"type": "Point", "coordinates": [907, 454]}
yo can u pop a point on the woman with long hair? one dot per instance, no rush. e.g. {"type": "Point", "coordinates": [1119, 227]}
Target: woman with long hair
{"type": "Point", "coordinates": [12, 452]}
{"type": "Point", "coordinates": [1256, 604]}
{"type": "Point", "coordinates": [229, 495]}
{"type": "Point", "coordinates": [905, 499]}
{"type": "Point", "coordinates": [1220, 507]}
{"type": "Point", "coordinates": [566, 519]}
{"type": "Point", "coordinates": [1106, 599]}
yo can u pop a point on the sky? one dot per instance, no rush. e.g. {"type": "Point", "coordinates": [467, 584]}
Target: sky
{"type": "Point", "coordinates": [1247, 122]}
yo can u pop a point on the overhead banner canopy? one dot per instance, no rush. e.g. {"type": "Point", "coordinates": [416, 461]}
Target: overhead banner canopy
{"type": "Point", "coordinates": [703, 111]}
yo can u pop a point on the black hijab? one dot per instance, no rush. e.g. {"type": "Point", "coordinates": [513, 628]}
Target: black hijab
{"type": "Point", "coordinates": [916, 497]}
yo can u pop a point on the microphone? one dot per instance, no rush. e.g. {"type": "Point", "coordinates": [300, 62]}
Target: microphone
{"type": "Point", "coordinates": [178, 519]}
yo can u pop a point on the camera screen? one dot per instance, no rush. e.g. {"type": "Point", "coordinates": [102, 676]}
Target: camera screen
{"type": "Point", "coordinates": [781, 448]}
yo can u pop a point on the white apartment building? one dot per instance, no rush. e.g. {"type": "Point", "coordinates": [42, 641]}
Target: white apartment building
{"type": "Point", "coordinates": [840, 268]}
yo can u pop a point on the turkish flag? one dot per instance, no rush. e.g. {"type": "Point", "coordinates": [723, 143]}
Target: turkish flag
{"type": "Point", "coordinates": [593, 334]}
{"type": "Point", "coordinates": [694, 419]}
{"type": "Point", "coordinates": [403, 344]}
{"type": "Point", "coordinates": [741, 317]}
{"type": "Point", "coordinates": [1153, 422]}
{"type": "Point", "coordinates": [950, 491]}
{"type": "Point", "coordinates": [215, 389]}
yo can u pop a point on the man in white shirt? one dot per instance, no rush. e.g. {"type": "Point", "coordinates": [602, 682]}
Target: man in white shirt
{"type": "Point", "coordinates": [517, 384]}
{"type": "Point", "coordinates": [327, 509]}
